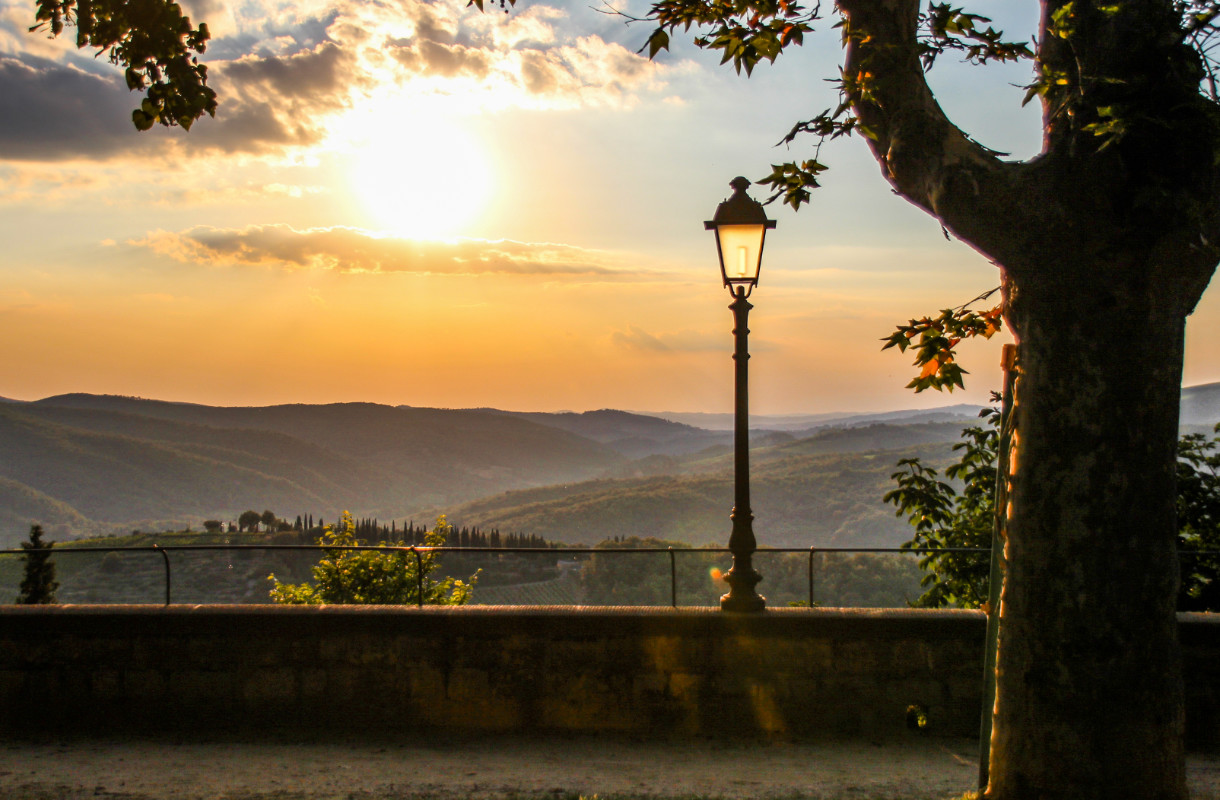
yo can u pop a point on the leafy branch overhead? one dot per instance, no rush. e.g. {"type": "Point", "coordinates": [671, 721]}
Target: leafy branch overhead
{"type": "Point", "coordinates": [155, 44]}
{"type": "Point", "coordinates": [934, 340]}
{"type": "Point", "coordinates": [479, 4]}
{"type": "Point", "coordinates": [746, 32]}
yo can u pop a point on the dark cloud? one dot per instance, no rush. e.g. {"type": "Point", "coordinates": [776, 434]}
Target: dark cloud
{"type": "Point", "coordinates": [434, 49]}
{"type": "Point", "coordinates": [57, 112]}
{"type": "Point", "coordinates": [248, 126]}
{"type": "Point", "coordinates": [272, 102]}
{"type": "Point", "coordinates": [50, 111]}
{"type": "Point", "coordinates": [353, 250]}
{"type": "Point", "coordinates": [446, 60]}
{"type": "Point", "coordinates": [538, 74]}
{"type": "Point", "coordinates": [315, 73]}
{"type": "Point", "coordinates": [430, 28]}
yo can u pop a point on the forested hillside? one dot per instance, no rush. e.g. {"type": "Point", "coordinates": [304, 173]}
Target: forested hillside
{"type": "Point", "coordinates": [87, 465]}
{"type": "Point", "coordinates": [91, 460]}
{"type": "Point", "coordinates": [799, 500]}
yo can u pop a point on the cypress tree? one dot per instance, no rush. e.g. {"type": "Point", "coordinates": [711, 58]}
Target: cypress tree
{"type": "Point", "coordinates": [38, 585]}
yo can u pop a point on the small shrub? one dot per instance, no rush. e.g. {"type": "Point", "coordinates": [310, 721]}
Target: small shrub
{"type": "Point", "coordinates": [112, 562]}
{"type": "Point", "coordinates": [373, 577]}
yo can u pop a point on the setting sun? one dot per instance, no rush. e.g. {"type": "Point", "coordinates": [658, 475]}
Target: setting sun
{"type": "Point", "coordinates": [421, 176]}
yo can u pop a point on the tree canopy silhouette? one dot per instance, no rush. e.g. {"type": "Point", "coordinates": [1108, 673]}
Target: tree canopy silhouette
{"type": "Point", "coordinates": [154, 43]}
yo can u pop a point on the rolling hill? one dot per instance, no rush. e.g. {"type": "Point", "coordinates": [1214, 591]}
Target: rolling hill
{"type": "Point", "coordinates": [122, 460]}
{"type": "Point", "coordinates": [633, 435]}
{"type": "Point", "coordinates": [799, 500]}
{"type": "Point", "coordinates": [83, 464]}
{"type": "Point", "coordinates": [1201, 405]}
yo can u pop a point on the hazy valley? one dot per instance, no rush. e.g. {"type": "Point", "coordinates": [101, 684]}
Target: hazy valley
{"type": "Point", "coordinates": [86, 465]}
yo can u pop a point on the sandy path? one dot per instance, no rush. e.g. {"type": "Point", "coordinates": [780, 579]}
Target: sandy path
{"type": "Point", "coordinates": [496, 766]}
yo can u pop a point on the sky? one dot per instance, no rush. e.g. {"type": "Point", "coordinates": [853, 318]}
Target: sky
{"type": "Point", "coordinates": [411, 202]}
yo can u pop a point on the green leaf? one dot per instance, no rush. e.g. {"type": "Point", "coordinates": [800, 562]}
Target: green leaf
{"type": "Point", "coordinates": [657, 42]}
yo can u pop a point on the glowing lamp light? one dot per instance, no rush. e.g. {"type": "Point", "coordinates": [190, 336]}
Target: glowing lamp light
{"type": "Point", "coordinates": [741, 225]}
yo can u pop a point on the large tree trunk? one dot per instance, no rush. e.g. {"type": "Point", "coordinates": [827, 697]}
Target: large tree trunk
{"type": "Point", "coordinates": [1089, 686]}
{"type": "Point", "coordinates": [1106, 244]}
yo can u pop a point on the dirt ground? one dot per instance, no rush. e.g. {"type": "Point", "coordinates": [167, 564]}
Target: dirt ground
{"type": "Point", "coordinates": [496, 767]}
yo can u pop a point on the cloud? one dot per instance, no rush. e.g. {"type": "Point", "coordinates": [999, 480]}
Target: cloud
{"type": "Point", "coordinates": [438, 58]}
{"type": "Point", "coordinates": [308, 74]}
{"type": "Point", "coordinates": [51, 111]}
{"type": "Point", "coordinates": [276, 101]}
{"type": "Point", "coordinates": [635, 339]}
{"type": "Point", "coordinates": [352, 250]}
{"type": "Point", "coordinates": [523, 60]}
{"type": "Point", "coordinates": [280, 89]}
{"type": "Point", "coordinates": [685, 341]}
{"type": "Point", "coordinates": [58, 112]}
{"type": "Point", "coordinates": [26, 183]}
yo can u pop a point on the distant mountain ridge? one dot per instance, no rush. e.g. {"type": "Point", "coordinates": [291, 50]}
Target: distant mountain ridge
{"type": "Point", "coordinates": [123, 460]}
{"type": "Point", "coordinates": [82, 463]}
{"type": "Point", "coordinates": [1200, 405]}
{"type": "Point", "coordinates": [799, 499]}
{"type": "Point", "coordinates": [633, 435]}
{"type": "Point", "coordinates": [803, 423]}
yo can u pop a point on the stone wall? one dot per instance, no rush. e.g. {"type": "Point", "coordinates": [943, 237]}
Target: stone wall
{"type": "Point", "coordinates": [657, 672]}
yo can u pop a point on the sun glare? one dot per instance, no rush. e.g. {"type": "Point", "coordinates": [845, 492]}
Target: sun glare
{"type": "Point", "coordinates": [421, 176]}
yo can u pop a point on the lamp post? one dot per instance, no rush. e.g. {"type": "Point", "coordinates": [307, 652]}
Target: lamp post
{"type": "Point", "coordinates": [741, 225]}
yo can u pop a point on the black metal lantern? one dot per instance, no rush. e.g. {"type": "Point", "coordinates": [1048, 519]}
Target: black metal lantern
{"type": "Point", "coordinates": [741, 227]}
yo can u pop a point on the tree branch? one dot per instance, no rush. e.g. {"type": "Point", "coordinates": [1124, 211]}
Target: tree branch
{"type": "Point", "coordinates": [924, 156]}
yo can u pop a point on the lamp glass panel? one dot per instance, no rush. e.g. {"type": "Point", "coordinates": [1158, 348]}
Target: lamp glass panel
{"type": "Point", "coordinates": [740, 248]}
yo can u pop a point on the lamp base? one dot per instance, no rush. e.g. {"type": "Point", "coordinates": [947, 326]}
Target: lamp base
{"type": "Point", "coordinates": [743, 604]}
{"type": "Point", "coordinates": [742, 578]}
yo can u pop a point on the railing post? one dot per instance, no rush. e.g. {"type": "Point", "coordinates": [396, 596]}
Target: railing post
{"type": "Point", "coordinates": [165, 555]}
{"type": "Point", "coordinates": [419, 577]}
{"type": "Point", "coordinates": [673, 580]}
{"type": "Point", "coordinates": [812, 552]}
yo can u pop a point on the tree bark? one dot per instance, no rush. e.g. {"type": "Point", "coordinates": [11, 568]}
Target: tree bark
{"type": "Point", "coordinates": [1089, 685]}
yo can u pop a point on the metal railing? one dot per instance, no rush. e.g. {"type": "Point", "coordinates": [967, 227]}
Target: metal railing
{"type": "Point", "coordinates": [419, 550]}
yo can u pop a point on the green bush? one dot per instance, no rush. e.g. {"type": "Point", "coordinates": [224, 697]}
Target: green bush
{"type": "Point", "coordinates": [944, 517]}
{"type": "Point", "coordinates": [375, 577]}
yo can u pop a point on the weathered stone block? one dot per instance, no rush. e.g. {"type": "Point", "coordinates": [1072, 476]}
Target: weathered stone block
{"type": "Point", "coordinates": [274, 685]}
{"type": "Point", "coordinates": [312, 684]}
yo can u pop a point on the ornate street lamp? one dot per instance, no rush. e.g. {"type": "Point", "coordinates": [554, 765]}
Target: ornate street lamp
{"type": "Point", "coordinates": [741, 226]}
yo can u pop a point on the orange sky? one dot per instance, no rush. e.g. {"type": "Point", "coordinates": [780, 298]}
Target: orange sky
{"type": "Point", "coordinates": [409, 202]}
